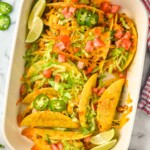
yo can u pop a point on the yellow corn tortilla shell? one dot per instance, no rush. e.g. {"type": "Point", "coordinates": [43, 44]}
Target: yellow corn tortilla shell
{"type": "Point", "coordinates": [85, 97]}
{"type": "Point", "coordinates": [70, 67]}
{"type": "Point", "coordinates": [60, 135]}
{"type": "Point", "coordinates": [40, 144]}
{"type": "Point", "coordinates": [35, 68]}
{"type": "Point", "coordinates": [24, 113]}
{"type": "Point", "coordinates": [50, 92]}
{"type": "Point", "coordinates": [107, 105]}
{"type": "Point", "coordinates": [48, 119]}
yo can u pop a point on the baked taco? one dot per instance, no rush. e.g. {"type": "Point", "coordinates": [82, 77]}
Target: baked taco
{"type": "Point", "coordinates": [124, 44]}
{"type": "Point", "coordinates": [107, 104]}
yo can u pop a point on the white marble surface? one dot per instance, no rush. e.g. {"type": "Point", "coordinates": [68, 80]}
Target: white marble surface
{"type": "Point", "coordinates": [141, 133]}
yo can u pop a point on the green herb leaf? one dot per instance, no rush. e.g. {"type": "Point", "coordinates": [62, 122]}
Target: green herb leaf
{"type": "Point", "coordinates": [2, 146]}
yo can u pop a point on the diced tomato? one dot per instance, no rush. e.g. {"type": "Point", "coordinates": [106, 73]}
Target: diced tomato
{"type": "Point", "coordinates": [115, 8]}
{"type": "Point", "coordinates": [81, 65]}
{"type": "Point", "coordinates": [109, 15]}
{"type": "Point", "coordinates": [61, 58]}
{"type": "Point", "coordinates": [97, 32]}
{"type": "Point", "coordinates": [60, 146]}
{"type": "Point", "coordinates": [122, 75]}
{"type": "Point", "coordinates": [118, 43]}
{"type": "Point", "coordinates": [68, 15]}
{"type": "Point", "coordinates": [74, 1]}
{"type": "Point", "coordinates": [95, 90]}
{"type": "Point", "coordinates": [76, 49]}
{"type": "Point", "coordinates": [89, 70]}
{"type": "Point", "coordinates": [47, 73]}
{"type": "Point", "coordinates": [101, 91]}
{"type": "Point", "coordinates": [64, 38]}
{"type": "Point", "coordinates": [87, 139]}
{"type": "Point", "coordinates": [98, 43]}
{"type": "Point", "coordinates": [89, 46]}
{"type": "Point", "coordinates": [72, 9]}
{"type": "Point", "coordinates": [127, 35]}
{"type": "Point", "coordinates": [54, 147]}
{"type": "Point", "coordinates": [118, 34]}
{"type": "Point", "coordinates": [60, 45]}
{"type": "Point", "coordinates": [65, 11]}
{"type": "Point", "coordinates": [126, 44]}
{"type": "Point", "coordinates": [23, 90]}
{"type": "Point", "coordinates": [57, 78]}
{"type": "Point", "coordinates": [67, 44]}
{"type": "Point", "coordinates": [106, 6]}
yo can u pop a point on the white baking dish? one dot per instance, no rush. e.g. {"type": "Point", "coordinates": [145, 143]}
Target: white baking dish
{"type": "Point", "coordinates": [135, 10]}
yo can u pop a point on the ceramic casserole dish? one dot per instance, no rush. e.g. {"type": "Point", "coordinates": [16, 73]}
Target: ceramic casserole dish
{"type": "Point", "coordinates": [135, 10]}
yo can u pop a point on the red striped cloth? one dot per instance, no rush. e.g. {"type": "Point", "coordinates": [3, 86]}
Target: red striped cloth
{"type": "Point", "coordinates": [144, 103]}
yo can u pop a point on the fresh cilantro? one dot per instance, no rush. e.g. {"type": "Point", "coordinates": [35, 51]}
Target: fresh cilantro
{"type": "Point", "coordinates": [2, 146]}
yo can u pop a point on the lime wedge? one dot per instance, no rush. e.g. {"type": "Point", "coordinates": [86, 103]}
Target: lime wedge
{"type": "Point", "coordinates": [106, 146]}
{"type": "Point", "coordinates": [37, 10]}
{"type": "Point", "coordinates": [103, 137]}
{"type": "Point", "coordinates": [35, 31]}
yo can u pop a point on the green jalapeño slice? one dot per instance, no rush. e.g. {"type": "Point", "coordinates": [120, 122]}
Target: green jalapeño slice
{"type": "Point", "coordinates": [57, 105]}
{"type": "Point", "coordinates": [41, 102]}
{"type": "Point", "coordinates": [5, 8]}
{"type": "Point", "coordinates": [4, 22]}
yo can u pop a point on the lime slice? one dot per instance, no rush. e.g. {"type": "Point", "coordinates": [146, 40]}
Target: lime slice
{"type": "Point", "coordinates": [35, 31]}
{"type": "Point", "coordinates": [106, 146]}
{"type": "Point", "coordinates": [103, 137]}
{"type": "Point", "coordinates": [37, 10]}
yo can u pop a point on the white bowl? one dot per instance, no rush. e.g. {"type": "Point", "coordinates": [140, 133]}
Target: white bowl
{"type": "Point", "coordinates": [15, 140]}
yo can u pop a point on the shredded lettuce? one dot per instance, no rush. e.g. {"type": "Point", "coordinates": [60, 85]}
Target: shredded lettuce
{"type": "Point", "coordinates": [84, 1]}
{"type": "Point", "coordinates": [90, 115]}
{"type": "Point", "coordinates": [125, 25]}
{"type": "Point", "coordinates": [100, 82]}
{"type": "Point", "coordinates": [74, 145]}
{"type": "Point", "coordinates": [35, 78]}
{"type": "Point", "coordinates": [49, 48]}
{"type": "Point", "coordinates": [119, 57]}
{"type": "Point", "coordinates": [29, 57]}
{"type": "Point", "coordinates": [85, 131]}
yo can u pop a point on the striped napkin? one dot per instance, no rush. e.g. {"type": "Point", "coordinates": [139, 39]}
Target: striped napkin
{"type": "Point", "coordinates": [144, 103]}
